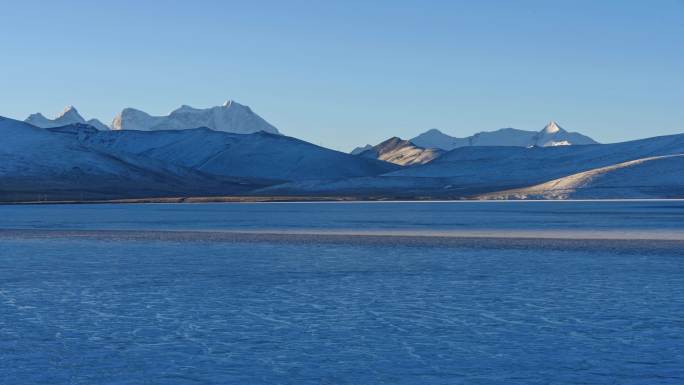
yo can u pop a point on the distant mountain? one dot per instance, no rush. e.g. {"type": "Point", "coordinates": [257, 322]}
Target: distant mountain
{"type": "Point", "coordinates": [551, 135]}
{"type": "Point", "coordinates": [435, 138]}
{"type": "Point", "coordinates": [654, 177]}
{"type": "Point", "coordinates": [402, 152]}
{"type": "Point", "coordinates": [361, 149]}
{"type": "Point", "coordinates": [69, 116]}
{"type": "Point", "coordinates": [229, 117]}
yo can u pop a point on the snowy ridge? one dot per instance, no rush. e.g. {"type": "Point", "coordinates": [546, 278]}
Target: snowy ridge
{"type": "Point", "coordinates": [229, 117]}
{"type": "Point", "coordinates": [258, 155]}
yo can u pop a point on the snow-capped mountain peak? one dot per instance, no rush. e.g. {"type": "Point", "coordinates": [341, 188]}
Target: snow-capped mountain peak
{"type": "Point", "coordinates": [552, 127]}
{"type": "Point", "coordinates": [554, 135]}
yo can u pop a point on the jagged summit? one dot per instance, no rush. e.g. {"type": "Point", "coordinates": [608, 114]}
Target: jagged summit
{"type": "Point", "coordinates": [68, 110]}
{"type": "Point", "coordinates": [229, 117]}
{"type": "Point", "coordinates": [68, 116]}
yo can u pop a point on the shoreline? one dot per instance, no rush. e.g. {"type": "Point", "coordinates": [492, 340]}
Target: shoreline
{"type": "Point", "coordinates": [314, 199]}
{"type": "Point", "coordinates": [627, 235]}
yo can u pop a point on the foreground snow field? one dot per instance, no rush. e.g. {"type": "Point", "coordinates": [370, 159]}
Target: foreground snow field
{"type": "Point", "coordinates": [126, 294]}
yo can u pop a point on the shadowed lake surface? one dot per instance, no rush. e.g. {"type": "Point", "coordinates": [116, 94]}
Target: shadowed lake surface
{"type": "Point", "coordinates": [162, 294]}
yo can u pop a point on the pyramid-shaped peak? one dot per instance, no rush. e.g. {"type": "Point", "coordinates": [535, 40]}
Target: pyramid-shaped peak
{"type": "Point", "coordinates": [552, 127]}
{"type": "Point", "coordinates": [227, 103]}
{"type": "Point", "coordinates": [69, 110]}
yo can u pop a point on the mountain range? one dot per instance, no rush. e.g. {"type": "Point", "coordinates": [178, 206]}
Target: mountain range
{"type": "Point", "coordinates": [551, 135]}
{"type": "Point", "coordinates": [433, 143]}
{"type": "Point", "coordinates": [228, 150]}
{"type": "Point", "coordinates": [229, 117]}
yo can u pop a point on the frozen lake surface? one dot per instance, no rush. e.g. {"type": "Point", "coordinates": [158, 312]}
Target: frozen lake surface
{"type": "Point", "coordinates": [431, 216]}
{"type": "Point", "coordinates": [261, 294]}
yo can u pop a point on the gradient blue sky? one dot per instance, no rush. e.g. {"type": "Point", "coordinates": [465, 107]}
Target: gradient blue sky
{"type": "Point", "coordinates": [346, 73]}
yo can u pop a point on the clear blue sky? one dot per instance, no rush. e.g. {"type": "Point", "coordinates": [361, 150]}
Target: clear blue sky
{"type": "Point", "coordinates": [344, 73]}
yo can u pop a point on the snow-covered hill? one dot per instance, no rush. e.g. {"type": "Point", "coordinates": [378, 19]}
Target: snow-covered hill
{"type": "Point", "coordinates": [258, 155]}
{"type": "Point", "coordinates": [402, 152]}
{"type": "Point", "coordinates": [229, 117]}
{"type": "Point", "coordinates": [69, 116]}
{"type": "Point", "coordinates": [551, 135]}
{"type": "Point", "coordinates": [654, 177]}
{"type": "Point", "coordinates": [51, 163]}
